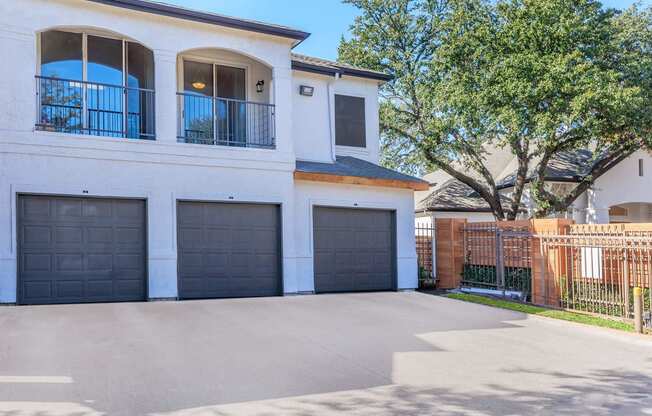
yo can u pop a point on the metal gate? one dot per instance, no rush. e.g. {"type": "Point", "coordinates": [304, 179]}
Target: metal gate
{"type": "Point", "coordinates": [498, 258]}
{"type": "Point", "coordinates": [424, 235]}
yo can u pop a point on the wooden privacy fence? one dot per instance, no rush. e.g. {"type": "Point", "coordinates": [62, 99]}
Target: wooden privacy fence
{"type": "Point", "coordinates": [552, 262]}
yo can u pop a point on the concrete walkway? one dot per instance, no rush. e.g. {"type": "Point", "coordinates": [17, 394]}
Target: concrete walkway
{"type": "Point", "coordinates": [359, 354]}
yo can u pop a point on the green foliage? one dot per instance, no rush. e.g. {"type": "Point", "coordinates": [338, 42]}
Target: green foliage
{"type": "Point", "coordinates": [536, 77]}
{"type": "Point", "coordinates": [549, 313]}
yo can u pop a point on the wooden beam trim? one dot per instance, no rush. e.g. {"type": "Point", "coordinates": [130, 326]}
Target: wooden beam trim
{"type": "Point", "coordinates": [358, 180]}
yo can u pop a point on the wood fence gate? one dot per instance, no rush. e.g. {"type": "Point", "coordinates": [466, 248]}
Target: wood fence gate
{"type": "Point", "coordinates": [498, 257]}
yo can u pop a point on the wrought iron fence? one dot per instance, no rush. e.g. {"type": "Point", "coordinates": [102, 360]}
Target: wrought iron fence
{"type": "Point", "coordinates": [425, 244]}
{"type": "Point", "coordinates": [81, 107]}
{"type": "Point", "coordinates": [226, 122]}
{"type": "Point", "coordinates": [597, 273]}
{"type": "Point", "coordinates": [498, 257]}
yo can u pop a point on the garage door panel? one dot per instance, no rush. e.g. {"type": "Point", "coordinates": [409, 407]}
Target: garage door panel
{"type": "Point", "coordinates": [128, 235]}
{"type": "Point", "coordinates": [35, 208]}
{"type": "Point", "coordinates": [236, 253]}
{"type": "Point", "coordinates": [71, 235]}
{"type": "Point", "coordinates": [218, 238]}
{"type": "Point", "coordinates": [97, 208]}
{"type": "Point", "coordinates": [96, 250]}
{"type": "Point", "coordinates": [35, 234]}
{"type": "Point", "coordinates": [69, 262]}
{"type": "Point", "coordinates": [354, 249]}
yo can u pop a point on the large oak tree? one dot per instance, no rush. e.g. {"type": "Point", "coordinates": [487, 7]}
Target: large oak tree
{"type": "Point", "coordinates": [536, 77]}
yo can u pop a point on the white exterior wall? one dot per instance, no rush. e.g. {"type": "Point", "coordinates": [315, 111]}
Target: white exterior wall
{"type": "Point", "coordinates": [164, 171]}
{"type": "Point", "coordinates": [311, 194]}
{"type": "Point", "coordinates": [620, 185]}
{"type": "Point", "coordinates": [314, 117]}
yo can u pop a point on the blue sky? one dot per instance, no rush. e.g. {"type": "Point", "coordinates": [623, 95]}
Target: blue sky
{"type": "Point", "coordinates": [326, 20]}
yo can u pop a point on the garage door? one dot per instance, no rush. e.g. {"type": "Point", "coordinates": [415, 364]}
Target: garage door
{"type": "Point", "coordinates": [228, 250]}
{"type": "Point", "coordinates": [75, 250]}
{"type": "Point", "coordinates": [354, 249]}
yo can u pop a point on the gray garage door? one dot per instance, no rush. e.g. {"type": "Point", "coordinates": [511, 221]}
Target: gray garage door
{"type": "Point", "coordinates": [354, 249]}
{"type": "Point", "coordinates": [228, 250]}
{"type": "Point", "coordinates": [75, 250]}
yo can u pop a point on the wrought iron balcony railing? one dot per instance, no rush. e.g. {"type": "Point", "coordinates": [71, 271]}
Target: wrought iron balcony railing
{"type": "Point", "coordinates": [97, 109]}
{"type": "Point", "coordinates": [225, 121]}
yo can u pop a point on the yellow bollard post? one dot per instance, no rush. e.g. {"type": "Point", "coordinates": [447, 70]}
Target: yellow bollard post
{"type": "Point", "coordinates": [638, 310]}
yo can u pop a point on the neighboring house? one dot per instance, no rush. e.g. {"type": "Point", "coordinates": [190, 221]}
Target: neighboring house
{"type": "Point", "coordinates": [622, 194]}
{"type": "Point", "coordinates": [149, 151]}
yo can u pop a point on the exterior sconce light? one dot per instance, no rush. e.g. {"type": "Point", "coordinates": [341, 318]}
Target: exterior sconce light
{"type": "Point", "coordinates": [306, 90]}
{"type": "Point", "coordinates": [259, 86]}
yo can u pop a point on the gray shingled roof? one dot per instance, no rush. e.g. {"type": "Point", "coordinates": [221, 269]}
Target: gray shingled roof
{"type": "Point", "coordinates": [563, 167]}
{"type": "Point", "coordinates": [452, 195]}
{"type": "Point", "coordinates": [326, 67]}
{"type": "Point", "coordinates": [352, 166]}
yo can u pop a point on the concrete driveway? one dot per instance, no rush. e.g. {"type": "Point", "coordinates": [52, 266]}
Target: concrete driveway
{"type": "Point", "coordinates": [361, 354]}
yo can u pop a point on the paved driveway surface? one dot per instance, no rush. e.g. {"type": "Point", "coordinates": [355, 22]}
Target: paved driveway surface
{"type": "Point", "coordinates": [361, 354]}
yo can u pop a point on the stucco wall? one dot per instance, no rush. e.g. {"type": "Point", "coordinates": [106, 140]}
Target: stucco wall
{"type": "Point", "coordinates": [314, 120]}
{"type": "Point", "coordinates": [310, 194]}
{"type": "Point", "coordinates": [164, 170]}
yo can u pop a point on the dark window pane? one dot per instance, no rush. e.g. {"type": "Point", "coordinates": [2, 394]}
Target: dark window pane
{"type": "Point", "coordinates": [140, 104]}
{"type": "Point", "coordinates": [61, 101]}
{"type": "Point", "coordinates": [61, 55]}
{"type": "Point", "coordinates": [230, 82]}
{"type": "Point", "coordinates": [140, 66]}
{"type": "Point", "coordinates": [198, 105]}
{"type": "Point", "coordinates": [198, 78]}
{"type": "Point", "coordinates": [231, 115]}
{"type": "Point", "coordinates": [105, 102]}
{"type": "Point", "coordinates": [105, 60]}
{"type": "Point", "coordinates": [350, 121]}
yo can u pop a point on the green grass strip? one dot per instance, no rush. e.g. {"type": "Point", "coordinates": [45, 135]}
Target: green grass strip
{"type": "Point", "coordinates": [537, 310]}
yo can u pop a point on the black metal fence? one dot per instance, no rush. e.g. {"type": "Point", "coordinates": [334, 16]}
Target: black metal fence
{"type": "Point", "coordinates": [424, 235]}
{"type": "Point", "coordinates": [226, 122]}
{"type": "Point", "coordinates": [97, 109]}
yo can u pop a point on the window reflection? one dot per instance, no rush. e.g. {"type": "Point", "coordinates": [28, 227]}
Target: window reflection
{"type": "Point", "coordinates": [103, 101]}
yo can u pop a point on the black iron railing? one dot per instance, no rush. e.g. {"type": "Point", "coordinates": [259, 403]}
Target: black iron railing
{"type": "Point", "coordinates": [97, 109]}
{"type": "Point", "coordinates": [225, 121]}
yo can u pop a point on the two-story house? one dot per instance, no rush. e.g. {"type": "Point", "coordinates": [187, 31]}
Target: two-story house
{"type": "Point", "coordinates": [149, 151]}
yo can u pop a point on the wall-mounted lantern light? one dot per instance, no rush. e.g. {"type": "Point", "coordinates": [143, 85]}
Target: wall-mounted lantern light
{"type": "Point", "coordinates": [306, 90]}
{"type": "Point", "coordinates": [259, 86]}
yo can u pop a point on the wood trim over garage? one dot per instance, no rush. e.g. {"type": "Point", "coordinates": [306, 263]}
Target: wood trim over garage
{"type": "Point", "coordinates": [359, 180]}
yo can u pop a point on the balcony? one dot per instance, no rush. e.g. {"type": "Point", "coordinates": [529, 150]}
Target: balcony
{"type": "Point", "coordinates": [225, 122]}
{"type": "Point", "coordinates": [97, 109]}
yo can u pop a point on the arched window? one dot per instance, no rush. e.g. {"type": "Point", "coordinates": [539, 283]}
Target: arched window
{"type": "Point", "coordinates": [97, 85]}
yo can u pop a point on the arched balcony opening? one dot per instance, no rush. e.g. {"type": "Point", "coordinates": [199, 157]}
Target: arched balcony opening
{"type": "Point", "coordinates": [96, 83]}
{"type": "Point", "coordinates": [225, 98]}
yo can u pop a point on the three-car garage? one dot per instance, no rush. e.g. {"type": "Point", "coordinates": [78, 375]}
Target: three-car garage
{"type": "Point", "coordinates": [86, 249]}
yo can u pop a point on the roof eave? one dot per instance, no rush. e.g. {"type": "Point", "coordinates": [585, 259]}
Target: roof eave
{"type": "Point", "coordinates": [197, 16]}
{"type": "Point", "coordinates": [330, 71]}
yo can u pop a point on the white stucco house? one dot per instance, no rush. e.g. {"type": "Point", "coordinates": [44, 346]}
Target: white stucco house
{"type": "Point", "coordinates": [623, 194]}
{"type": "Point", "coordinates": [149, 151]}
